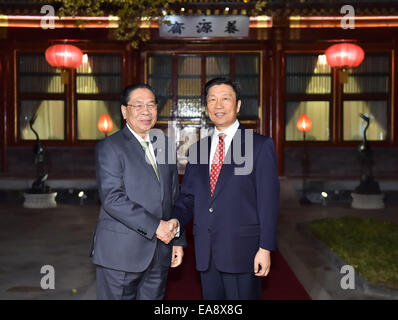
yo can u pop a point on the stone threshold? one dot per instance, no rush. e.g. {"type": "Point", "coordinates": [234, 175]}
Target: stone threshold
{"type": "Point", "coordinates": [24, 184]}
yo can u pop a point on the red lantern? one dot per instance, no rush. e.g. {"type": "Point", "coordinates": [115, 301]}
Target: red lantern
{"type": "Point", "coordinates": [105, 124]}
{"type": "Point", "coordinates": [64, 56]}
{"type": "Point", "coordinates": [344, 55]}
{"type": "Point", "coordinates": [304, 123]}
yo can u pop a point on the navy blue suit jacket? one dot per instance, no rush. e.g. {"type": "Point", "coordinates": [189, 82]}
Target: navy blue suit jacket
{"type": "Point", "coordinates": [241, 216]}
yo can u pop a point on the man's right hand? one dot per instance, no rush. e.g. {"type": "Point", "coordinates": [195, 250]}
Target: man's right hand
{"type": "Point", "coordinates": [167, 230]}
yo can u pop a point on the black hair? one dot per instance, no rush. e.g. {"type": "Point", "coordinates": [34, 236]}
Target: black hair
{"type": "Point", "coordinates": [217, 81]}
{"type": "Point", "coordinates": [130, 88]}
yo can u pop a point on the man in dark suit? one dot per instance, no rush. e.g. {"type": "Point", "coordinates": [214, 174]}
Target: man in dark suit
{"type": "Point", "coordinates": [234, 204]}
{"type": "Point", "coordinates": [132, 246]}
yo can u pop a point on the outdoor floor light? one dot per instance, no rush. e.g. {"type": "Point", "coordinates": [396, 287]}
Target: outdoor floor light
{"type": "Point", "coordinates": [304, 124]}
{"type": "Point", "coordinates": [324, 196]}
{"type": "Point", "coordinates": [82, 196]}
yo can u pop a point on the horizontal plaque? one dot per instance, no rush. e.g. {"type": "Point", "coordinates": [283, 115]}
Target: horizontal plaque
{"type": "Point", "coordinates": [205, 27]}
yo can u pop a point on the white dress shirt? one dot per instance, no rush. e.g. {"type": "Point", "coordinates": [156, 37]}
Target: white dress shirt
{"type": "Point", "coordinates": [229, 134]}
{"type": "Point", "coordinates": [139, 138]}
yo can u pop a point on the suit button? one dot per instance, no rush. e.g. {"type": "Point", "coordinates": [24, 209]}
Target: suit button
{"type": "Point", "coordinates": [211, 210]}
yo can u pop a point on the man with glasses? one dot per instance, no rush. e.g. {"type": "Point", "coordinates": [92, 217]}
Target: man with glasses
{"type": "Point", "coordinates": [133, 246]}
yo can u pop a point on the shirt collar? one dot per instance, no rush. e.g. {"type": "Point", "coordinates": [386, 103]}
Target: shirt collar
{"type": "Point", "coordinates": [230, 131]}
{"type": "Point", "coordinates": [138, 137]}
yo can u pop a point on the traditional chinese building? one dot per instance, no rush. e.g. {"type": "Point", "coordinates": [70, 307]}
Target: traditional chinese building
{"type": "Point", "coordinates": [278, 57]}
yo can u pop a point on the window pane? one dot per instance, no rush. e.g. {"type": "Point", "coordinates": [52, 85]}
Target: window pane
{"type": "Point", "coordinates": [167, 108]}
{"type": "Point", "coordinates": [372, 76]}
{"type": "Point", "coordinates": [248, 86]}
{"type": "Point", "coordinates": [354, 125]}
{"type": "Point", "coordinates": [189, 108]}
{"type": "Point", "coordinates": [246, 64]}
{"type": "Point", "coordinates": [160, 78]}
{"type": "Point", "coordinates": [37, 76]}
{"type": "Point", "coordinates": [307, 74]}
{"type": "Point", "coordinates": [249, 107]}
{"type": "Point", "coordinates": [88, 114]}
{"type": "Point", "coordinates": [99, 74]}
{"type": "Point", "coordinates": [50, 121]}
{"type": "Point", "coordinates": [189, 86]}
{"type": "Point", "coordinates": [189, 65]}
{"type": "Point", "coordinates": [246, 73]}
{"type": "Point", "coordinates": [217, 66]}
{"type": "Point", "coordinates": [188, 82]}
{"type": "Point", "coordinates": [317, 111]}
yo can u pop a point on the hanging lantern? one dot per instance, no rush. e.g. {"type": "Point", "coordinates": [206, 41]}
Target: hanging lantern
{"type": "Point", "coordinates": [304, 123]}
{"type": "Point", "coordinates": [64, 56]}
{"type": "Point", "coordinates": [105, 124]}
{"type": "Point", "coordinates": [344, 56]}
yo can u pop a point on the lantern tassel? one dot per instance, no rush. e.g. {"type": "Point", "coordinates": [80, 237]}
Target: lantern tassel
{"type": "Point", "coordinates": [64, 76]}
{"type": "Point", "coordinates": [343, 75]}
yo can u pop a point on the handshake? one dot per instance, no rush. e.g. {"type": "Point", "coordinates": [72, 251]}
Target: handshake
{"type": "Point", "coordinates": [167, 230]}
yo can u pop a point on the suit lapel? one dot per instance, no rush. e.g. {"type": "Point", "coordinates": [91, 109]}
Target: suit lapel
{"type": "Point", "coordinates": [204, 167]}
{"type": "Point", "coordinates": [162, 170]}
{"type": "Point", "coordinates": [135, 147]}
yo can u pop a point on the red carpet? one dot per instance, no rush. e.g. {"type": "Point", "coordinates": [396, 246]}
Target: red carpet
{"type": "Point", "coordinates": [280, 284]}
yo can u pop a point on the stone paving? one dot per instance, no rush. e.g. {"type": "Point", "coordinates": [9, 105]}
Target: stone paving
{"type": "Point", "coordinates": [60, 237]}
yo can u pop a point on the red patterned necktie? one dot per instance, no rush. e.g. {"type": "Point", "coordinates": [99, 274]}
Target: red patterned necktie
{"type": "Point", "coordinates": [216, 165]}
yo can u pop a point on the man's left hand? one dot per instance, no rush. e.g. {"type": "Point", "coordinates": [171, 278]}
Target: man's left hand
{"type": "Point", "coordinates": [263, 259]}
{"type": "Point", "coordinates": [176, 258]}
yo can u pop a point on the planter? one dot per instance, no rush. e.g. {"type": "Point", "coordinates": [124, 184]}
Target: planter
{"type": "Point", "coordinates": [360, 282]}
{"type": "Point", "coordinates": [40, 200]}
{"type": "Point", "coordinates": [367, 201]}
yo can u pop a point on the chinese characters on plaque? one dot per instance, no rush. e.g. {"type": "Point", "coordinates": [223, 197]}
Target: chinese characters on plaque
{"type": "Point", "coordinates": [204, 26]}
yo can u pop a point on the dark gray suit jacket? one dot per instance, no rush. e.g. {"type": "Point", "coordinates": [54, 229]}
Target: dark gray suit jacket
{"type": "Point", "coordinates": [133, 203]}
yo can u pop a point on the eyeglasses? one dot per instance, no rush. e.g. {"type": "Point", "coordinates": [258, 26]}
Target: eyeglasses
{"type": "Point", "coordinates": [152, 106]}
